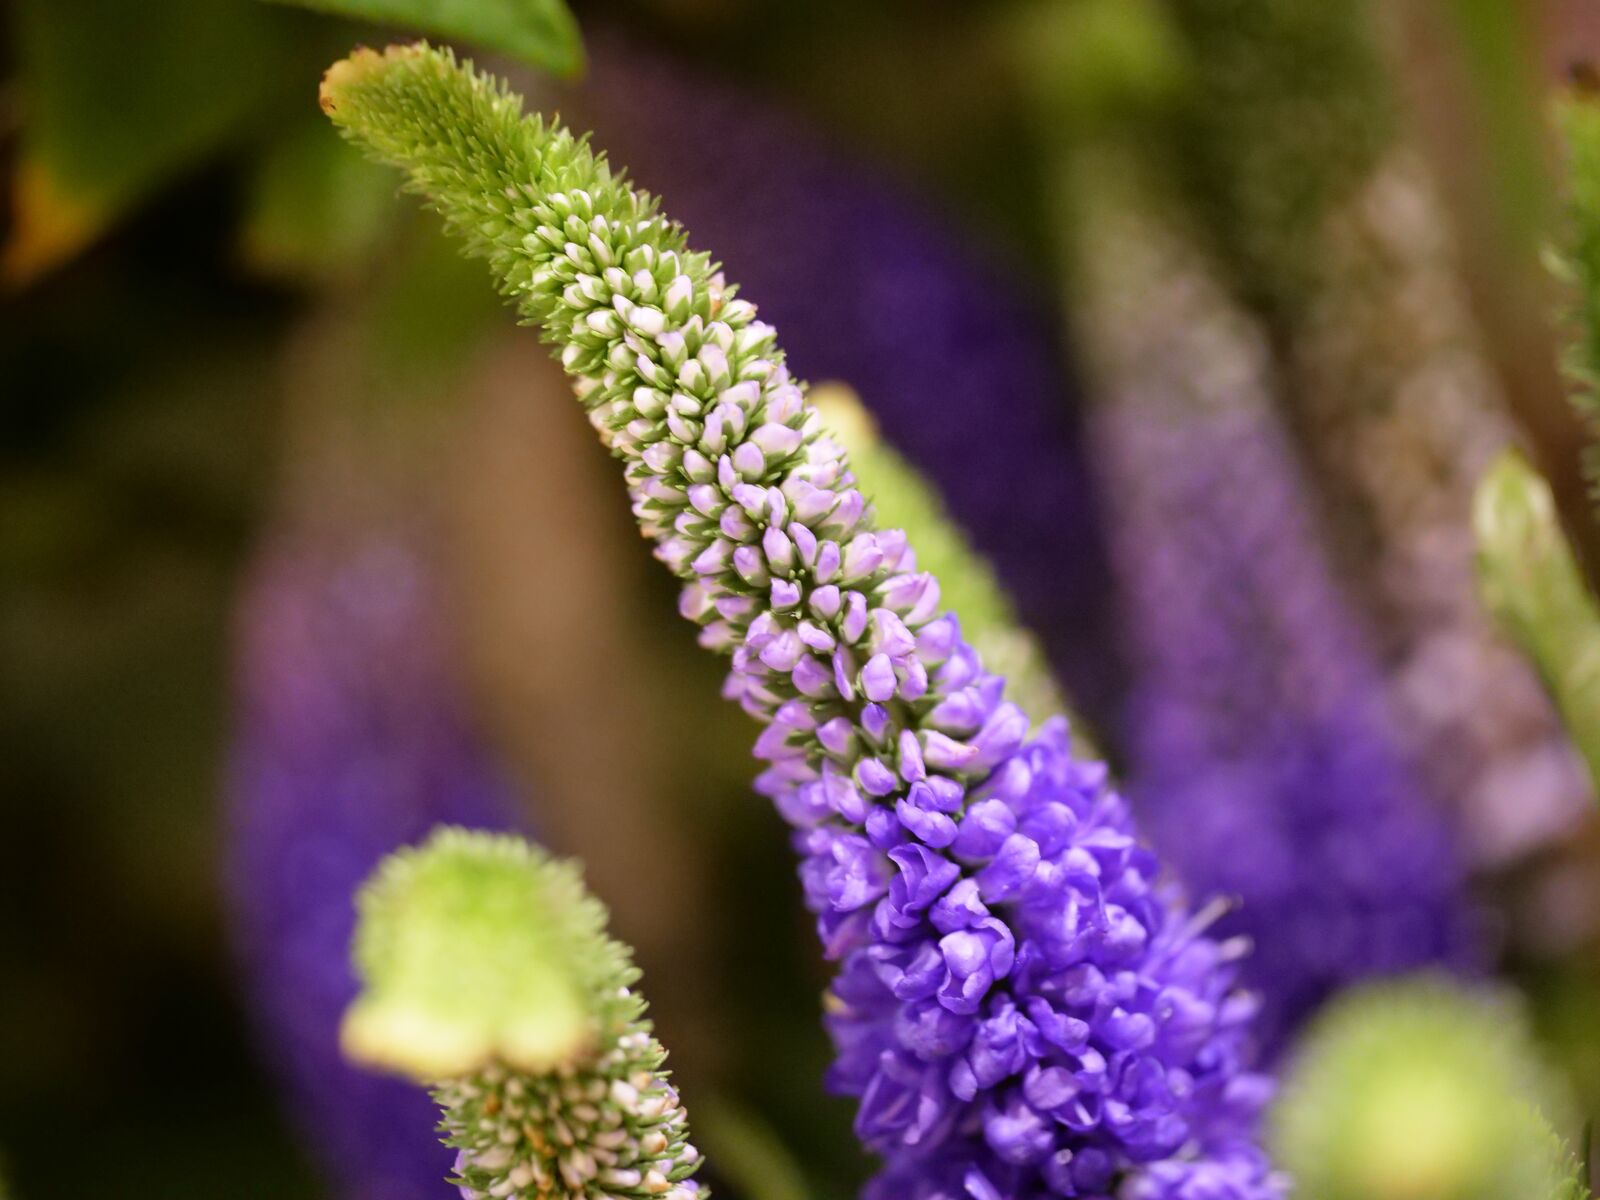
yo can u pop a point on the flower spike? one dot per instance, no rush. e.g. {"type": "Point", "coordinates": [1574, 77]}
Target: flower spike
{"type": "Point", "coordinates": [1022, 1008]}
{"type": "Point", "coordinates": [487, 973]}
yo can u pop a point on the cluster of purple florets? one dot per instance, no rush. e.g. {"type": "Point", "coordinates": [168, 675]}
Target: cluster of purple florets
{"type": "Point", "coordinates": [1020, 1007]}
{"type": "Point", "coordinates": [1263, 755]}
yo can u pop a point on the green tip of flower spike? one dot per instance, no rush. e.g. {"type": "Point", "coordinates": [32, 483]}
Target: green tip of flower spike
{"type": "Point", "coordinates": [1532, 583]}
{"type": "Point", "coordinates": [486, 970]}
{"type": "Point", "coordinates": [1421, 1089]}
{"type": "Point", "coordinates": [477, 948]}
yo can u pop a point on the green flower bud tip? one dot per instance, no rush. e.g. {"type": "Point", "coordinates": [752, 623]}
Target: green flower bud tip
{"type": "Point", "coordinates": [970, 588]}
{"type": "Point", "coordinates": [1532, 583]}
{"type": "Point", "coordinates": [1421, 1090]}
{"type": "Point", "coordinates": [486, 971]}
{"type": "Point", "coordinates": [470, 950]}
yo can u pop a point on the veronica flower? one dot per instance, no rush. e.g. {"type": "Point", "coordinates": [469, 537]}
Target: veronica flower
{"type": "Point", "coordinates": [350, 739]}
{"type": "Point", "coordinates": [487, 974]}
{"type": "Point", "coordinates": [1263, 755]}
{"type": "Point", "coordinates": [1021, 1008]}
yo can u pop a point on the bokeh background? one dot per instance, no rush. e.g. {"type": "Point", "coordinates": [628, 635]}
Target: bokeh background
{"type": "Point", "coordinates": [290, 511]}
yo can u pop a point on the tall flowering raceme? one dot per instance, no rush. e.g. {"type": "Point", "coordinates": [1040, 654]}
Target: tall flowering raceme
{"type": "Point", "coordinates": [956, 361]}
{"type": "Point", "coordinates": [1263, 759]}
{"type": "Point", "coordinates": [1021, 1008]}
{"type": "Point", "coordinates": [350, 740]}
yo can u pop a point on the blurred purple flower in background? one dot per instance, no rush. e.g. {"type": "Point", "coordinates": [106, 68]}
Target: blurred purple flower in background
{"type": "Point", "coordinates": [961, 366]}
{"type": "Point", "coordinates": [351, 739]}
{"type": "Point", "coordinates": [1263, 757]}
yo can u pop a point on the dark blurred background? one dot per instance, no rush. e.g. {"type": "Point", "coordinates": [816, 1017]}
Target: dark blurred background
{"type": "Point", "coordinates": [218, 329]}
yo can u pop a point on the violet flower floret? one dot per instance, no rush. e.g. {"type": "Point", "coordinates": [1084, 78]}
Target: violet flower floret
{"type": "Point", "coordinates": [1022, 1009]}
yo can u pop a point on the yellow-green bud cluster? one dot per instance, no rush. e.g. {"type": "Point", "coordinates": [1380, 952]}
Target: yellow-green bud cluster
{"type": "Point", "coordinates": [487, 974]}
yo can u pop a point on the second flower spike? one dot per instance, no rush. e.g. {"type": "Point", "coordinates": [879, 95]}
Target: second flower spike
{"type": "Point", "coordinates": [487, 973]}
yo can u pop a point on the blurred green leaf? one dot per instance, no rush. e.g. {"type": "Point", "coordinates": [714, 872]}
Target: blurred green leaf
{"type": "Point", "coordinates": [1578, 262]}
{"type": "Point", "coordinates": [316, 210]}
{"type": "Point", "coordinates": [1530, 580]}
{"type": "Point", "coordinates": [1098, 63]}
{"type": "Point", "coordinates": [542, 32]}
{"type": "Point", "coordinates": [748, 1151]}
{"type": "Point", "coordinates": [1496, 39]}
{"type": "Point", "coordinates": [119, 97]}
{"type": "Point", "coordinates": [1291, 109]}
{"type": "Point", "coordinates": [969, 586]}
{"type": "Point", "coordinates": [428, 316]}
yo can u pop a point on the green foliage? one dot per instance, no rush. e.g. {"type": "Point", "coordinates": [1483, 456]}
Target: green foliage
{"type": "Point", "coordinates": [541, 32]}
{"type": "Point", "coordinates": [1496, 39]}
{"type": "Point", "coordinates": [316, 212]}
{"type": "Point", "coordinates": [1099, 63]}
{"type": "Point", "coordinates": [1578, 263]}
{"type": "Point", "coordinates": [119, 98]}
{"type": "Point", "coordinates": [474, 949]}
{"type": "Point", "coordinates": [1290, 110]}
{"type": "Point", "coordinates": [1421, 1088]}
{"type": "Point", "coordinates": [749, 1153]}
{"type": "Point", "coordinates": [968, 585]}
{"type": "Point", "coordinates": [1531, 581]}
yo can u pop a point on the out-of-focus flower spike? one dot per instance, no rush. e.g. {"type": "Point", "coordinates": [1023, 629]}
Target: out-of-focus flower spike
{"type": "Point", "coordinates": [1022, 1008]}
{"type": "Point", "coordinates": [487, 974]}
{"type": "Point", "coordinates": [351, 738]}
{"type": "Point", "coordinates": [1531, 582]}
{"type": "Point", "coordinates": [968, 585]}
{"type": "Point", "coordinates": [1261, 754]}
{"type": "Point", "coordinates": [1421, 1087]}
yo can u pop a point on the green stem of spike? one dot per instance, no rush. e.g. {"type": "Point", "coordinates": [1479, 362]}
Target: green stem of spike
{"type": "Point", "coordinates": [1530, 580]}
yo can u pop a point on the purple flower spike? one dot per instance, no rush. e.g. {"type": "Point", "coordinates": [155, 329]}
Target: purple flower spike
{"type": "Point", "coordinates": [942, 1016]}
{"type": "Point", "coordinates": [350, 741]}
